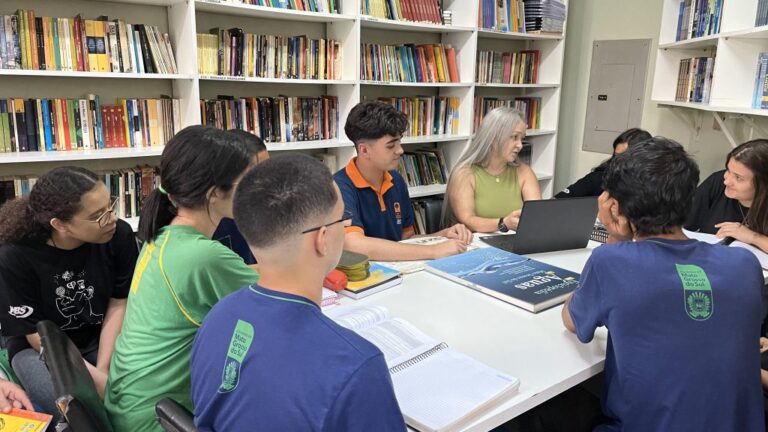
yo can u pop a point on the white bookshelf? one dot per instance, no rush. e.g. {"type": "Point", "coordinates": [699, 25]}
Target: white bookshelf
{"type": "Point", "coordinates": [736, 49]}
{"type": "Point", "coordinates": [184, 19]}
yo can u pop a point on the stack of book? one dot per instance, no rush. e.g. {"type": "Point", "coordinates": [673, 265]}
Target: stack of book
{"type": "Point", "coordinates": [404, 10]}
{"type": "Point", "coordinates": [761, 17]}
{"type": "Point", "coordinates": [83, 124]}
{"type": "Point", "coordinates": [275, 119]}
{"type": "Point", "coordinates": [379, 279]}
{"type": "Point", "coordinates": [694, 79]}
{"type": "Point", "coordinates": [697, 18]}
{"type": "Point", "coordinates": [77, 44]}
{"type": "Point", "coordinates": [428, 115]}
{"type": "Point", "coordinates": [356, 266]}
{"type": "Point", "coordinates": [760, 95]}
{"type": "Point", "coordinates": [129, 186]}
{"type": "Point", "coordinates": [234, 53]}
{"type": "Point", "coordinates": [530, 107]}
{"type": "Point", "coordinates": [327, 6]}
{"type": "Point", "coordinates": [423, 167]}
{"type": "Point", "coordinates": [544, 16]}
{"type": "Point", "coordinates": [502, 15]}
{"type": "Point", "coordinates": [508, 67]}
{"type": "Point", "coordinates": [429, 63]}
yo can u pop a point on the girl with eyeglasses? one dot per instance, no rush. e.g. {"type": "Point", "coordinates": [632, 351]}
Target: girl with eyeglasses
{"type": "Point", "coordinates": [181, 273]}
{"type": "Point", "coordinates": [64, 257]}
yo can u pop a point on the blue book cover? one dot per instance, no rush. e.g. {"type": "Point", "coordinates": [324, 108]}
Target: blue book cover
{"type": "Point", "coordinates": [515, 279]}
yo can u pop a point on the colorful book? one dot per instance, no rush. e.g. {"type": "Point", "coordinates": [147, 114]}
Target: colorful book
{"type": "Point", "coordinates": [22, 420]}
{"type": "Point", "coordinates": [515, 279]}
{"type": "Point", "coordinates": [380, 279]}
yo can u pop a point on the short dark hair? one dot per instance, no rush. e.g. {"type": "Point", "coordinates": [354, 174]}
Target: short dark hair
{"type": "Point", "coordinates": [654, 185]}
{"type": "Point", "coordinates": [374, 119]}
{"type": "Point", "coordinates": [280, 196]}
{"type": "Point", "coordinates": [196, 159]}
{"type": "Point", "coordinates": [632, 137]}
{"type": "Point", "coordinates": [252, 142]}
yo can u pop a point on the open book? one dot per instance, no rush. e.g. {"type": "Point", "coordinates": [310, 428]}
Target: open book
{"type": "Point", "coordinates": [710, 238]}
{"type": "Point", "coordinates": [406, 267]}
{"type": "Point", "coordinates": [437, 388]}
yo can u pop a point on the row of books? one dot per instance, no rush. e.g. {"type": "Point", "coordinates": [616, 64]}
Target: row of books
{"type": "Point", "coordinates": [83, 124]}
{"type": "Point", "coordinates": [520, 67]}
{"type": "Point", "coordinates": [694, 79]}
{"type": "Point", "coordinates": [275, 119]}
{"type": "Point", "coordinates": [128, 186]}
{"type": "Point", "coordinates": [326, 6]}
{"type": "Point", "coordinates": [697, 18]}
{"type": "Point", "coordinates": [760, 94]}
{"type": "Point", "coordinates": [502, 15]}
{"type": "Point", "coordinates": [232, 52]}
{"type": "Point", "coordinates": [529, 107]}
{"type": "Point", "coordinates": [423, 167]}
{"type": "Point", "coordinates": [84, 45]}
{"type": "Point", "coordinates": [430, 63]}
{"type": "Point", "coordinates": [428, 115]}
{"type": "Point", "coordinates": [404, 10]}
{"type": "Point", "coordinates": [544, 16]}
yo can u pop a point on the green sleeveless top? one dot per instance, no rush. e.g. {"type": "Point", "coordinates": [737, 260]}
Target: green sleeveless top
{"type": "Point", "coordinates": [496, 196]}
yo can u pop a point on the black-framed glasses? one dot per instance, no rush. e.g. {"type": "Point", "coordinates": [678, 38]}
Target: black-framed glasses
{"type": "Point", "coordinates": [103, 218]}
{"type": "Point", "coordinates": [345, 217]}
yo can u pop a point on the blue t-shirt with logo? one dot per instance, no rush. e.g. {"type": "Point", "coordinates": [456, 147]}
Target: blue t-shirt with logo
{"type": "Point", "coordinates": [383, 213]}
{"type": "Point", "coordinates": [270, 361]}
{"type": "Point", "coordinates": [684, 323]}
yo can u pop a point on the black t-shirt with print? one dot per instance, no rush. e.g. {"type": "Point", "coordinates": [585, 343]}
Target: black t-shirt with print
{"type": "Point", "coordinates": [72, 288]}
{"type": "Point", "coordinates": [587, 186]}
{"type": "Point", "coordinates": [711, 206]}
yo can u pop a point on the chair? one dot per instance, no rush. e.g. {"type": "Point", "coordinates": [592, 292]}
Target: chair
{"type": "Point", "coordinates": [76, 395]}
{"type": "Point", "coordinates": [432, 214]}
{"type": "Point", "coordinates": [173, 417]}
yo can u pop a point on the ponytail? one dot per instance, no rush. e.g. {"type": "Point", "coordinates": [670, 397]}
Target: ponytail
{"type": "Point", "coordinates": [17, 221]}
{"type": "Point", "coordinates": [157, 211]}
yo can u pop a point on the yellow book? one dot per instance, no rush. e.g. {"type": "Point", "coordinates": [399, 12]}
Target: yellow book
{"type": "Point", "coordinates": [90, 36]}
{"type": "Point", "coordinates": [24, 421]}
{"type": "Point", "coordinates": [24, 39]}
{"type": "Point", "coordinates": [439, 62]}
{"type": "Point", "coordinates": [49, 58]}
{"type": "Point", "coordinates": [71, 43]}
{"type": "Point", "coordinates": [125, 123]}
{"type": "Point", "coordinates": [102, 57]}
{"type": "Point", "coordinates": [154, 130]}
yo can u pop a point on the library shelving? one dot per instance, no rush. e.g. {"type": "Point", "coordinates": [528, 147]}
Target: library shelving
{"type": "Point", "coordinates": [184, 20]}
{"type": "Point", "coordinates": [732, 37]}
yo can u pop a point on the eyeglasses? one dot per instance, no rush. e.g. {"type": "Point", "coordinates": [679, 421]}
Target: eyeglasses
{"type": "Point", "coordinates": [103, 218]}
{"type": "Point", "coordinates": [345, 217]}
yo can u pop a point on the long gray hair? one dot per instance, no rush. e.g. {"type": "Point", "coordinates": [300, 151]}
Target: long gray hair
{"type": "Point", "coordinates": [495, 129]}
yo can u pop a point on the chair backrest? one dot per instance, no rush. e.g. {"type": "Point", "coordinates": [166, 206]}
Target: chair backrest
{"type": "Point", "coordinates": [76, 394]}
{"type": "Point", "coordinates": [432, 215]}
{"type": "Point", "coordinates": [173, 417]}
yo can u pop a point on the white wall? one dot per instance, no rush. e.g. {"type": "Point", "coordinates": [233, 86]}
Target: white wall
{"type": "Point", "coordinates": [590, 20]}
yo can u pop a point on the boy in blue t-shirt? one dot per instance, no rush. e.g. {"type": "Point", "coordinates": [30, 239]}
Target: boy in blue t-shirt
{"type": "Point", "coordinates": [377, 196]}
{"type": "Point", "coordinates": [683, 316]}
{"type": "Point", "coordinates": [265, 357]}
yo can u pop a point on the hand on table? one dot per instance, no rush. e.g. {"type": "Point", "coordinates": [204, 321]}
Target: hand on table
{"type": "Point", "coordinates": [459, 232]}
{"type": "Point", "coordinates": [448, 248]}
{"type": "Point", "coordinates": [736, 230]}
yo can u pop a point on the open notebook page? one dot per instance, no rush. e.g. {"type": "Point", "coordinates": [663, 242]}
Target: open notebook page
{"type": "Point", "coordinates": [446, 390]}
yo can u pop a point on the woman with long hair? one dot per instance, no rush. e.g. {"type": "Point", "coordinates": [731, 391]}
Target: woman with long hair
{"type": "Point", "coordinates": [488, 185]}
{"type": "Point", "coordinates": [64, 257]}
{"type": "Point", "coordinates": [734, 202]}
{"type": "Point", "coordinates": [181, 273]}
{"type": "Point", "coordinates": [592, 183]}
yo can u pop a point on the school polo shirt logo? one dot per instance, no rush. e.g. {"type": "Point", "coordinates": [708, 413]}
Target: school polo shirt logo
{"type": "Point", "coordinates": [398, 213]}
{"type": "Point", "coordinates": [697, 292]}
{"type": "Point", "coordinates": [238, 348]}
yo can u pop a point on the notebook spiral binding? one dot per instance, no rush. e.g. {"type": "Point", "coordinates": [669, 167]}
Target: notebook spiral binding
{"type": "Point", "coordinates": [423, 356]}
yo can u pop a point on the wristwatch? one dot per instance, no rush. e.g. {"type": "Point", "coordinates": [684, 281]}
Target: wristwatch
{"type": "Point", "coordinates": [502, 226]}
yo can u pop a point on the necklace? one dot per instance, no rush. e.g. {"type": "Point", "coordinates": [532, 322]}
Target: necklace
{"type": "Point", "coordinates": [743, 216]}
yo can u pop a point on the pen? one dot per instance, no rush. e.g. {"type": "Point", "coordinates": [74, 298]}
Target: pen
{"type": "Point", "coordinates": [726, 241]}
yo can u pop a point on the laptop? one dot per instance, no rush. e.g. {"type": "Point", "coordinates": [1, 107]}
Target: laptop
{"type": "Point", "coordinates": [550, 225]}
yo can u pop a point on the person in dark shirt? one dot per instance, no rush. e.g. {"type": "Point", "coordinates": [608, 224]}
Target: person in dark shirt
{"type": "Point", "coordinates": [227, 232]}
{"type": "Point", "coordinates": [734, 202]}
{"type": "Point", "coordinates": [64, 257]}
{"type": "Point", "coordinates": [592, 183]}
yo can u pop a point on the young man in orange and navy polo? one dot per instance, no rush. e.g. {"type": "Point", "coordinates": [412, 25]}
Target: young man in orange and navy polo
{"type": "Point", "coordinates": [377, 196]}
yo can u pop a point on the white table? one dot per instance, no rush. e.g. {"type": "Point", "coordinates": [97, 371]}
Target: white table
{"type": "Point", "coordinates": [535, 348]}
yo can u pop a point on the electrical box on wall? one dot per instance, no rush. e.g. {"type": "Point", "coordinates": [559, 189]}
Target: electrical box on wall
{"type": "Point", "coordinates": [616, 91]}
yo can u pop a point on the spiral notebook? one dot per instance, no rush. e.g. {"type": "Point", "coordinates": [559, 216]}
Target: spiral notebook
{"type": "Point", "coordinates": [437, 388]}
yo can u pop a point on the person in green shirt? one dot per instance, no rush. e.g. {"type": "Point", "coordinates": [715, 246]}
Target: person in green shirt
{"type": "Point", "coordinates": [489, 184]}
{"type": "Point", "coordinates": [181, 273]}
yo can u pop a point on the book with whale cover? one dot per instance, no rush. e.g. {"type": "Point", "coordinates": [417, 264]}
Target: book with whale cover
{"type": "Point", "coordinates": [515, 279]}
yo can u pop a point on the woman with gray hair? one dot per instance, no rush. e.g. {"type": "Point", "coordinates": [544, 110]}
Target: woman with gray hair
{"type": "Point", "coordinates": [488, 185]}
